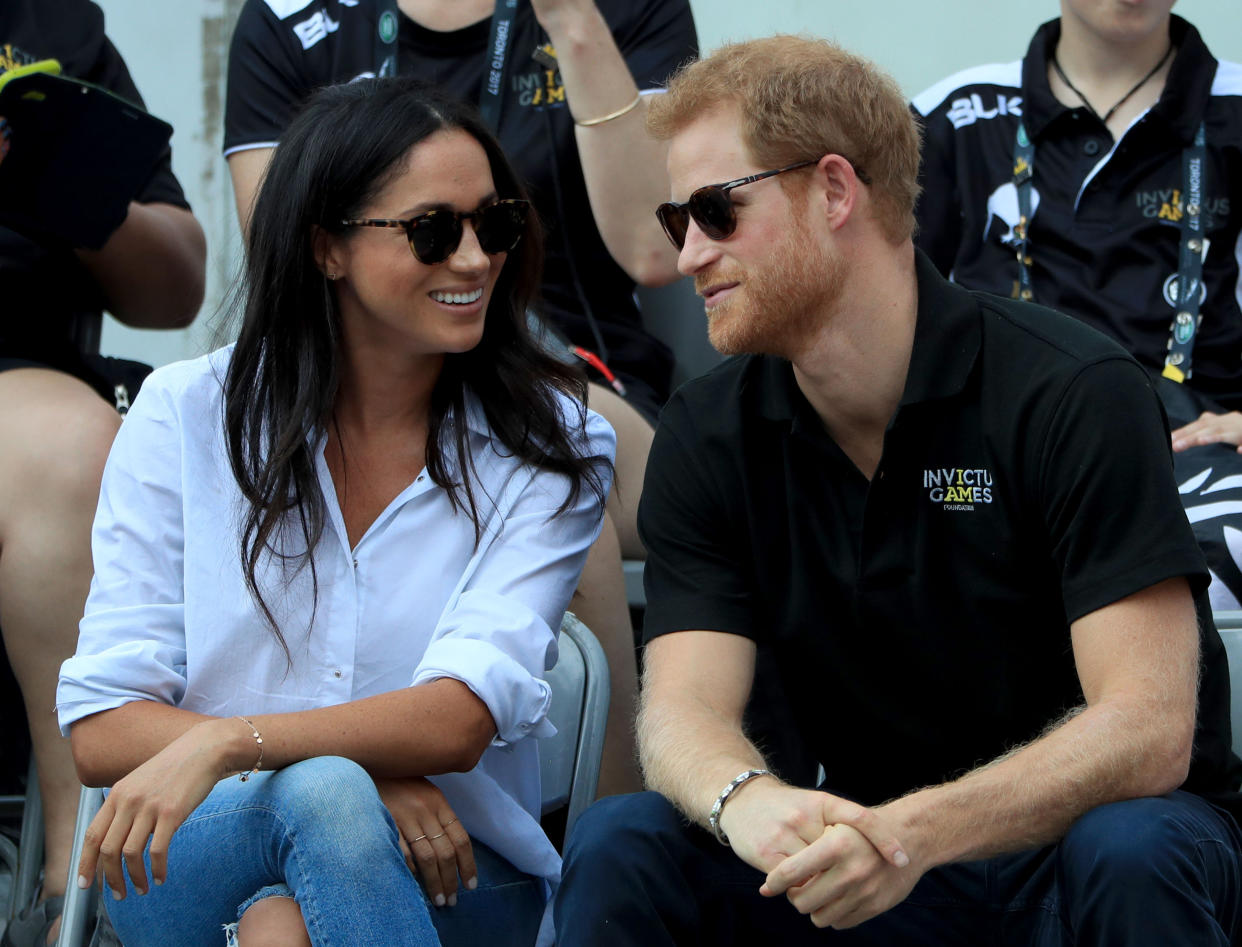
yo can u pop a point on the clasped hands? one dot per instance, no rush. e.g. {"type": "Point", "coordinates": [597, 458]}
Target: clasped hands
{"type": "Point", "coordinates": [837, 861]}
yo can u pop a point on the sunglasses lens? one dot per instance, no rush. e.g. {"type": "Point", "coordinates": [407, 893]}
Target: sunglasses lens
{"type": "Point", "coordinates": [674, 218]}
{"type": "Point", "coordinates": [434, 236]}
{"type": "Point", "coordinates": [500, 226]}
{"type": "Point", "coordinates": [713, 212]}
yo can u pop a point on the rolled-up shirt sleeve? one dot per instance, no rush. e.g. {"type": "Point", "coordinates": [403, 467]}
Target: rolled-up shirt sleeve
{"type": "Point", "coordinates": [131, 643]}
{"type": "Point", "coordinates": [498, 633]}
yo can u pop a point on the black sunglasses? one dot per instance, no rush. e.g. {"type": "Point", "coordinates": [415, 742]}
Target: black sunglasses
{"type": "Point", "coordinates": [712, 208]}
{"type": "Point", "coordinates": [435, 235]}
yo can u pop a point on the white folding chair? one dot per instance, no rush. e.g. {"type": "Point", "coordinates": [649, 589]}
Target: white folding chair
{"type": "Point", "coordinates": [569, 762]}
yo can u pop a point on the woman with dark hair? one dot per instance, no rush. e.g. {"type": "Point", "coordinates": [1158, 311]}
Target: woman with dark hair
{"type": "Point", "coordinates": [331, 561]}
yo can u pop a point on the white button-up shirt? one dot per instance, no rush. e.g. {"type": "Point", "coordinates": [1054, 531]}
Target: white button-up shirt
{"type": "Point", "coordinates": [169, 617]}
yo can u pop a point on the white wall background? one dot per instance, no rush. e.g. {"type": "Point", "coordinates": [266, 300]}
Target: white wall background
{"type": "Point", "coordinates": [177, 50]}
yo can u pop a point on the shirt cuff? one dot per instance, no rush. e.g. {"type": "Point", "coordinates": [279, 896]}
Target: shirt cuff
{"type": "Point", "coordinates": [518, 701]}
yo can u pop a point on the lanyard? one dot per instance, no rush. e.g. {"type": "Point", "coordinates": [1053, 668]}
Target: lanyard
{"type": "Point", "coordinates": [386, 29]}
{"type": "Point", "coordinates": [492, 94]}
{"type": "Point", "coordinates": [1189, 264]}
{"type": "Point", "coordinates": [1192, 248]}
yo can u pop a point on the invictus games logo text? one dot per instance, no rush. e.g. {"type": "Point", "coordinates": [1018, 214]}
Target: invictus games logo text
{"type": "Point", "coordinates": [958, 488]}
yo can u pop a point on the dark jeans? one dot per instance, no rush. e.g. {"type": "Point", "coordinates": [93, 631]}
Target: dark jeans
{"type": "Point", "coordinates": [1162, 871]}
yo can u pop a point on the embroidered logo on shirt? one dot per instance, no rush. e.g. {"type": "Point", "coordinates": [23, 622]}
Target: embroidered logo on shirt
{"type": "Point", "coordinates": [311, 30]}
{"type": "Point", "coordinates": [1167, 204]}
{"type": "Point", "coordinates": [1003, 210]}
{"type": "Point", "coordinates": [958, 488]}
{"type": "Point", "coordinates": [541, 84]}
{"type": "Point", "coordinates": [967, 111]}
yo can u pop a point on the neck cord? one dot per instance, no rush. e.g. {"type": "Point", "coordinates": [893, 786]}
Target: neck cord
{"type": "Point", "coordinates": [1056, 65]}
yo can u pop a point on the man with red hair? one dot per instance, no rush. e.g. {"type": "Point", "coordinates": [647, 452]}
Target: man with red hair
{"type": "Point", "coordinates": [904, 497]}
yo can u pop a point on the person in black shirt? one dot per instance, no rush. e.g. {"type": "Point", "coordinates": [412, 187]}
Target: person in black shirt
{"type": "Point", "coordinates": [949, 520]}
{"type": "Point", "coordinates": [1111, 98]}
{"type": "Point", "coordinates": [55, 424]}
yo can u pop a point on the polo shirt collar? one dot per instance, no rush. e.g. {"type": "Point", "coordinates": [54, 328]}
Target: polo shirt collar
{"type": "Point", "coordinates": [947, 336]}
{"type": "Point", "coordinates": [1181, 105]}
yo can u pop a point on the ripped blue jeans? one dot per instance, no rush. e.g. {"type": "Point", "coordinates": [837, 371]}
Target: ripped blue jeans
{"type": "Point", "coordinates": [318, 832]}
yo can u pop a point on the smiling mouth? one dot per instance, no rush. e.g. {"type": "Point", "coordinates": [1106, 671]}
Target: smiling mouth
{"type": "Point", "coordinates": [716, 291]}
{"type": "Point", "coordinates": [457, 299]}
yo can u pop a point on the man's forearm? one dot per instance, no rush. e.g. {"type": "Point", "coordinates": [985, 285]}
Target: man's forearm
{"type": "Point", "coordinates": [1031, 796]}
{"type": "Point", "coordinates": [689, 754]}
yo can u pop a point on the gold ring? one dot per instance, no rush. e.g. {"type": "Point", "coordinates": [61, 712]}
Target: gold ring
{"type": "Point", "coordinates": [432, 838]}
{"type": "Point", "coordinates": [448, 823]}
{"type": "Point", "coordinates": [419, 839]}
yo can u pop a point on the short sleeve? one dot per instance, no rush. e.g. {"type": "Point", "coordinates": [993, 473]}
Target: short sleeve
{"type": "Point", "coordinates": [265, 83]}
{"type": "Point", "coordinates": [1114, 519]}
{"type": "Point", "coordinates": [695, 574]}
{"type": "Point", "coordinates": [655, 38]}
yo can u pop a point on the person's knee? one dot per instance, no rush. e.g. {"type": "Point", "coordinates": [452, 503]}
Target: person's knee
{"type": "Point", "coordinates": [272, 922]}
{"type": "Point", "coordinates": [329, 796]}
{"type": "Point", "coordinates": [65, 430]}
{"type": "Point", "coordinates": [619, 834]}
{"type": "Point", "coordinates": [1124, 844]}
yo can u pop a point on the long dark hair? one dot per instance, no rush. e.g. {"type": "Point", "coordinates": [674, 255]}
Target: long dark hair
{"type": "Point", "coordinates": [342, 149]}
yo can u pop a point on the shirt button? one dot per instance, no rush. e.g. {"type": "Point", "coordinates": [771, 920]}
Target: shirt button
{"type": "Point", "coordinates": [336, 673]}
{"type": "Point", "coordinates": [1091, 147]}
{"type": "Point", "coordinates": [355, 563]}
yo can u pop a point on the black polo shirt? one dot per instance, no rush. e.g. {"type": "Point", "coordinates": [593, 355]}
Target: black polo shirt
{"type": "Point", "coordinates": [920, 621]}
{"type": "Point", "coordinates": [1105, 231]}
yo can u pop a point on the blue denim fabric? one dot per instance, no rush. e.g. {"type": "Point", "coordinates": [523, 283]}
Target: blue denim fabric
{"type": "Point", "coordinates": [1144, 873]}
{"type": "Point", "coordinates": [319, 831]}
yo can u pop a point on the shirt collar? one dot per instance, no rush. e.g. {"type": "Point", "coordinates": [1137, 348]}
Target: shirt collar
{"type": "Point", "coordinates": [946, 344]}
{"type": "Point", "coordinates": [1181, 105]}
{"type": "Point", "coordinates": [946, 337]}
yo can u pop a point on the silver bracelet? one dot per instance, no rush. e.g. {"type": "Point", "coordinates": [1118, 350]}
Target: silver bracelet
{"type": "Point", "coordinates": [713, 818]}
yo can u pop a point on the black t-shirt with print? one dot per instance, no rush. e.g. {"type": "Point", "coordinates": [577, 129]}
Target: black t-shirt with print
{"type": "Point", "coordinates": [283, 50]}
{"type": "Point", "coordinates": [920, 621]}
{"type": "Point", "coordinates": [43, 286]}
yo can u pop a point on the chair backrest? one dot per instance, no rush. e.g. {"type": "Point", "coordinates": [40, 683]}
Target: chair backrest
{"type": "Point", "coordinates": [1229, 624]}
{"type": "Point", "coordinates": [569, 762]}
